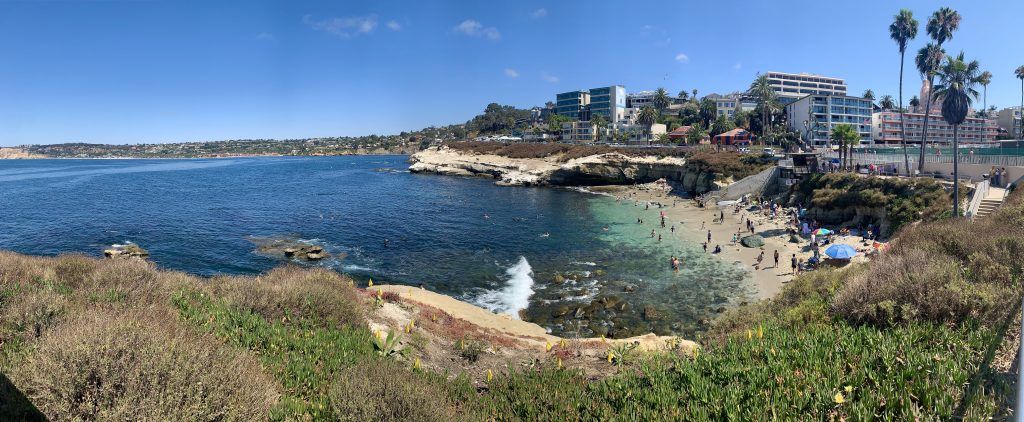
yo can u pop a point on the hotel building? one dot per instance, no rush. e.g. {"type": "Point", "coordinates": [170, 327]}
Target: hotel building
{"type": "Point", "coordinates": [572, 104]}
{"type": "Point", "coordinates": [609, 101]}
{"type": "Point", "coordinates": [790, 87]}
{"type": "Point", "coordinates": [888, 129]}
{"type": "Point", "coordinates": [1010, 121]}
{"type": "Point", "coordinates": [824, 112]}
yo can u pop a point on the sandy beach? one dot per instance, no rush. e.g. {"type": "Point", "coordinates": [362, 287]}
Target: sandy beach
{"type": "Point", "coordinates": [693, 223]}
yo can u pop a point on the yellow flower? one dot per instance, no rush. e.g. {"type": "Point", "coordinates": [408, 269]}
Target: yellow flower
{"type": "Point", "coordinates": [380, 294]}
{"type": "Point", "coordinates": [416, 364]}
{"type": "Point", "coordinates": [377, 334]}
{"type": "Point", "coordinates": [696, 352]}
{"type": "Point", "coordinates": [561, 343]}
{"type": "Point", "coordinates": [760, 331]}
{"type": "Point", "coordinates": [559, 363]}
{"type": "Point", "coordinates": [611, 356]}
{"type": "Point", "coordinates": [839, 398]}
{"type": "Point", "coordinates": [370, 283]}
{"type": "Point", "coordinates": [749, 335]}
{"type": "Point", "coordinates": [412, 323]}
{"type": "Point", "coordinates": [849, 389]}
{"type": "Point", "coordinates": [490, 375]}
{"type": "Point", "coordinates": [547, 347]}
{"type": "Point", "coordinates": [462, 344]}
{"type": "Point", "coordinates": [602, 339]}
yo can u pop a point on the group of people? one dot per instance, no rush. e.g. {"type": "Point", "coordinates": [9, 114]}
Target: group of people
{"type": "Point", "coordinates": [998, 177]}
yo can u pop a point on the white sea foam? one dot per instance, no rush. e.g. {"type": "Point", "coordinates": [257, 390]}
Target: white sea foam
{"type": "Point", "coordinates": [352, 267]}
{"type": "Point", "coordinates": [515, 296]}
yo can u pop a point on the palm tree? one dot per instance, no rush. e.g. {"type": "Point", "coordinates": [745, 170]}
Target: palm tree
{"type": "Point", "coordinates": [647, 116]}
{"type": "Point", "coordinates": [957, 80]}
{"type": "Point", "coordinates": [844, 135]}
{"type": "Point", "coordinates": [928, 60]}
{"type": "Point", "coordinates": [903, 29]}
{"type": "Point", "coordinates": [886, 103]}
{"type": "Point", "coordinates": [940, 28]}
{"type": "Point", "coordinates": [762, 90]}
{"type": "Point", "coordinates": [707, 111]}
{"type": "Point", "coordinates": [869, 95]}
{"type": "Point", "coordinates": [694, 94]}
{"type": "Point", "coordinates": [1020, 75]}
{"type": "Point", "coordinates": [914, 102]}
{"type": "Point", "coordinates": [660, 99]}
{"type": "Point", "coordinates": [984, 79]}
{"type": "Point", "coordinates": [599, 123]}
{"type": "Point", "coordinates": [683, 96]}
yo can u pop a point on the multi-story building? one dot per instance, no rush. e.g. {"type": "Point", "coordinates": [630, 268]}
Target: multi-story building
{"type": "Point", "coordinates": [790, 87]}
{"type": "Point", "coordinates": [728, 106]}
{"type": "Point", "coordinates": [609, 101]}
{"type": "Point", "coordinates": [572, 104]}
{"type": "Point", "coordinates": [578, 132]}
{"type": "Point", "coordinates": [638, 100]}
{"type": "Point", "coordinates": [814, 116]}
{"type": "Point", "coordinates": [1010, 121]}
{"type": "Point", "coordinates": [888, 129]}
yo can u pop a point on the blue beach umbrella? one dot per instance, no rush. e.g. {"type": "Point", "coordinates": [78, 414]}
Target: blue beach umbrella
{"type": "Point", "coordinates": [840, 251]}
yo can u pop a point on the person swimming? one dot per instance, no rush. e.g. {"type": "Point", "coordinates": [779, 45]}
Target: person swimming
{"type": "Point", "coordinates": [718, 249]}
{"type": "Point", "coordinates": [546, 234]}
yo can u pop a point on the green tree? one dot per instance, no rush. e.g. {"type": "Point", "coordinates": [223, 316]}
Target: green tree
{"type": "Point", "coordinates": [647, 116]}
{"type": "Point", "coordinates": [661, 100]}
{"type": "Point", "coordinates": [940, 28]}
{"type": "Point", "coordinates": [845, 136]}
{"type": "Point", "coordinates": [886, 103]}
{"type": "Point", "coordinates": [708, 111]}
{"type": "Point", "coordinates": [555, 123]}
{"type": "Point", "coordinates": [984, 79]}
{"type": "Point", "coordinates": [722, 125]}
{"type": "Point", "coordinates": [914, 102]}
{"type": "Point", "coordinates": [762, 90]}
{"type": "Point", "coordinates": [957, 80]}
{"type": "Point", "coordinates": [741, 119]}
{"type": "Point", "coordinates": [928, 60]}
{"type": "Point", "coordinates": [869, 95]}
{"type": "Point", "coordinates": [689, 114]}
{"type": "Point", "coordinates": [694, 96]}
{"type": "Point", "coordinates": [684, 95]}
{"type": "Point", "coordinates": [1020, 75]}
{"type": "Point", "coordinates": [902, 30]}
{"type": "Point", "coordinates": [695, 134]}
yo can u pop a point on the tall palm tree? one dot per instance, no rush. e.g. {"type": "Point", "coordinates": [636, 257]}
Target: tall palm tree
{"type": "Point", "coordinates": [928, 60]}
{"type": "Point", "coordinates": [647, 116]}
{"type": "Point", "coordinates": [869, 95]}
{"type": "Point", "coordinates": [957, 80]}
{"type": "Point", "coordinates": [694, 97]}
{"type": "Point", "coordinates": [914, 102]}
{"type": "Point", "coordinates": [984, 79]}
{"type": "Point", "coordinates": [903, 29]}
{"type": "Point", "coordinates": [1020, 75]}
{"type": "Point", "coordinates": [762, 90]}
{"type": "Point", "coordinates": [940, 28]}
{"type": "Point", "coordinates": [683, 96]}
{"type": "Point", "coordinates": [599, 123]}
{"type": "Point", "coordinates": [845, 136]}
{"type": "Point", "coordinates": [886, 103]}
{"type": "Point", "coordinates": [660, 100]}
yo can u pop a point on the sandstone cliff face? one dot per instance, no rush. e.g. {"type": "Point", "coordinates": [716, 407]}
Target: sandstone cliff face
{"type": "Point", "coordinates": [602, 169]}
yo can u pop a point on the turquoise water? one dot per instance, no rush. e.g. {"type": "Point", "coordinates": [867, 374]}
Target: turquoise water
{"type": "Point", "coordinates": [504, 248]}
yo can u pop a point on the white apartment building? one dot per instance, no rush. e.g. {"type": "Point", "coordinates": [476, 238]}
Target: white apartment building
{"type": "Point", "coordinates": [729, 106]}
{"type": "Point", "coordinates": [1010, 120]}
{"type": "Point", "coordinates": [790, 87]}
{"type": "Point", "coordinates": [823, 112]}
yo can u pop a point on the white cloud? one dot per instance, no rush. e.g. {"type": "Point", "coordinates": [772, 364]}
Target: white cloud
{"type": "Point", "coordinates": [737, 66]}
{"type": "Point", "coordinates": [265, 36]}
{"type": "Point", "coordinates": [394, 26]}
{"type": "Point", "coordinates": [550, 78]}
{"type": "Point", "coordinates": [682, 58]}
{"type": "Point", "coordinates": [511, 73]}
{"type": "Point", "coordinates": [476, 29]}
{"type": "Point", "coordinates": [539, 13]}
{"type": "Point", "coordinates": [343, 27]}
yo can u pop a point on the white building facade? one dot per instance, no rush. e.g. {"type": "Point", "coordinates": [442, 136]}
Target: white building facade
{"type": "Point", "coordinates": [814, 116]}
{"type": "Point", "coordinates": [790, 87]}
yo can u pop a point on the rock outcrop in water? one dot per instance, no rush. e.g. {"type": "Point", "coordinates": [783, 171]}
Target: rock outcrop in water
{"type": "Point", "coordinates": [601, 169]}
{"type": "Point", "coordinates": [130, 250]}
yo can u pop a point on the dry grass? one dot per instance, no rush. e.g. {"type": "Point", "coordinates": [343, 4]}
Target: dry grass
{"type": "Point", "coordinates": [141, 366]}
{"type": "Point", "coordinates": [291, 292]}
{"type": "Point", "coordinates": [385, 390]}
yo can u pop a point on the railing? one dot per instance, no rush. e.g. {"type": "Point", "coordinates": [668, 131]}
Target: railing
{"type": "Point", "coordinates": [965, 158]}
{"type": "Point", "coordinates": [980, 191]}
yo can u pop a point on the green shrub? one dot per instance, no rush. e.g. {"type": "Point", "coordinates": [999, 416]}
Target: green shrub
{"type": "Point", "coordinates": [140, 367]}
{"type": "Point", "coordinates": [385, 390]}
{"type": "Point", "coordinates": [292, 293]}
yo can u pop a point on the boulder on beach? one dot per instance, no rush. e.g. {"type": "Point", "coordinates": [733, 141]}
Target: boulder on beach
{"type": "Point", "coordinates": [752, 241]}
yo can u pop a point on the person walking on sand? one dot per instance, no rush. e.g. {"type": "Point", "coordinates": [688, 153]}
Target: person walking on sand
{"type": "Point", "coordinates": [776, 258]}
{"type": "Point", "coordinates": [709, 236]}
{"type": "Point", "coordinates": [760, 258]}
{"type": "Point", "coordinates": [792, 264]}
{"type": "Point", "coordinates": [702, 223]}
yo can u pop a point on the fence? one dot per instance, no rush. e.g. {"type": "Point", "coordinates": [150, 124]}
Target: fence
{"type": "Point", "coordinates": [944, 158]}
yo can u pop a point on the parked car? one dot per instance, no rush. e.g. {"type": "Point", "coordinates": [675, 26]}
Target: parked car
{"type": "Point", "coordinates": [768, 151]}
{"type": "Point", "coordinates": [744, 150]}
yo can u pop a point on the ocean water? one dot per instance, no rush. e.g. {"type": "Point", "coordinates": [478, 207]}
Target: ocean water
{"type": "Point", "coordinates": [533, 253]}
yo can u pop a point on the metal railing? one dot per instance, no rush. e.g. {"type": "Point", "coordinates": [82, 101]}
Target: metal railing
{"type": "Point", "coordinates": [980, 191]}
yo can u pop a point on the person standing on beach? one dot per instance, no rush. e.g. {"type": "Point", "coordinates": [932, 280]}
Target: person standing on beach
{"type": "Point", "coordinates": [792, 264]}
{"type": "Point", "coordinates": [776, 258]}
{"type": "Point", "coordinates": [709, 236]}
{"type": "Point", "coordinates": [721, 216]}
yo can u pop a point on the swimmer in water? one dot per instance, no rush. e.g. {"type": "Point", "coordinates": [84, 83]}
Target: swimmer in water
{"type": "Point", "coordinates": [652, 233]}
{"type": "Point", "coordinates": [546, 234]}
{"type": "Point", "coordinates": [605, 228]}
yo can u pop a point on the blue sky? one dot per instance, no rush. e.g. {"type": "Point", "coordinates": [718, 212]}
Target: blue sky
{"type": "Point", "coordinates": [166, 71]}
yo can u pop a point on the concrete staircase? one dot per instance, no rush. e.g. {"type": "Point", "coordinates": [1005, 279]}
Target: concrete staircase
{"type": "Point", "coordinates": [992, 201]}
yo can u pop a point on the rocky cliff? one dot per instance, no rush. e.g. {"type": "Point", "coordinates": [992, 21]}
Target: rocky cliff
{"type": "Point", "coordinates": [601, 169]}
